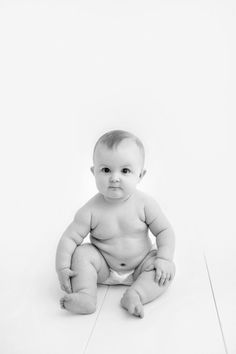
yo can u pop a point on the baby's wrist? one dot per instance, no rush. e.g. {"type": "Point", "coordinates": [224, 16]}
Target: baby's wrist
{"type": "Point", "coordinates": [62, 268]}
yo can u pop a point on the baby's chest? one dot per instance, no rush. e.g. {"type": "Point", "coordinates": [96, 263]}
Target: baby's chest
{"type": "Point", "coordinates": [123, 222]}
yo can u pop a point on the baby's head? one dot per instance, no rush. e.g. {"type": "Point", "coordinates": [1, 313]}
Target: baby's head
{"type": "Point", "coordinates": [118, 159]}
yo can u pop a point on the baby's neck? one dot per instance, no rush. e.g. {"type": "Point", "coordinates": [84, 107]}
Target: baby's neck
{"type": "Point", "coordinates": [116, 200]}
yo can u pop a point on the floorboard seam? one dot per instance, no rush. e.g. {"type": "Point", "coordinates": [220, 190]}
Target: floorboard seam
{"type": "Point", "coordinates": [95, 322]}
{"type": "Point", "coordinates": [216, 307]}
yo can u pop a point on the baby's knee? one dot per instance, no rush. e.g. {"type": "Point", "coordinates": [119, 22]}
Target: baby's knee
{"type": "Point", "coordinates": [83, 250]}
{"type": "Point", "coordinates": [85, 253]}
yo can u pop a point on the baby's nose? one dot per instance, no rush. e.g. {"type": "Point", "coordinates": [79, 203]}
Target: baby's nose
{"type": "Point", "coordinates": [115, 177]}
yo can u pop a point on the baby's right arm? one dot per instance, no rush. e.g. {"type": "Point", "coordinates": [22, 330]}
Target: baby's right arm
{"type": "Point", "coordinates": [71, 238]}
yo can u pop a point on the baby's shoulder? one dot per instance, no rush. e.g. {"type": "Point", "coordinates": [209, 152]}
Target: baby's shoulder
{"type": "Point", "coordinates": [88, 207]}
{"type": "Point", "coordinates": [149, 204]}
{"type": "Point", "coordinates": [145, 198]}
{"type": "Point", "coordinates": [93, 202]}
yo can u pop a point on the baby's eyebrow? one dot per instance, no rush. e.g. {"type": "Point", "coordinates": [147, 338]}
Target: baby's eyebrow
{"type": "Point", "coordinates": [107, 165]}
{"type": "Point", "coordinates": [102, 164]}
{"type": "Point", "coordinates": [125, 165]}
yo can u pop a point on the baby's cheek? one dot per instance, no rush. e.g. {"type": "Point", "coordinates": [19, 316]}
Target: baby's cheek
{"type": "Point", "coordinates": [132, 185]}
{"type": "Point", "coordinates": [100, 184]}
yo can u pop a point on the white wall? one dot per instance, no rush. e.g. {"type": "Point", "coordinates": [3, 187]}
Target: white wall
{"type": "Point", "coordinates": [71, 70]}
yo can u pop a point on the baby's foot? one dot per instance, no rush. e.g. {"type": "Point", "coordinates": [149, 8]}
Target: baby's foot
{"type": "Point", "coordinates": [80, 303]}
{"type": "Point", "coordinates": [131, 302]}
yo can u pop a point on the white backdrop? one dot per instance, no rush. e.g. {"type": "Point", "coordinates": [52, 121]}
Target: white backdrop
{"type": "Point", "coordinates": [72, 70]}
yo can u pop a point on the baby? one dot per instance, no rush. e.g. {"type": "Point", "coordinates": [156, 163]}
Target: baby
{"type": "Point", "coordinates": [118, 218]}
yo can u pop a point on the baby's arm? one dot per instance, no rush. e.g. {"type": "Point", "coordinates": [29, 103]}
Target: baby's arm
{"type": "Point", "coordinates": [165, 240]}
{"type": "Point", "coordinates": [71, 238]}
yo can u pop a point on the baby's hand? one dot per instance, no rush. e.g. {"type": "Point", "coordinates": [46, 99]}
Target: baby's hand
{"type": "Point", "coordinates": [165, 270]}
{"type": "Point", "coordinates": [64, 276]}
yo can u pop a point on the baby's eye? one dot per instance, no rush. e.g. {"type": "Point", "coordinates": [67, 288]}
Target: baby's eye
{"type": "Point", "coordinates": [126, 171]}
{"type": "Point", "coordinates": [105, 170]}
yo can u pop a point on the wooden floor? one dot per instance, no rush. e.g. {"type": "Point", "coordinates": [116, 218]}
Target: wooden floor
{"type": "Point", "coordinates": [196, 315]}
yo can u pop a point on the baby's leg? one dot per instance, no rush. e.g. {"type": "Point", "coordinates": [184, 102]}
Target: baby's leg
{"type": "Point", "coordinates": [142, 291]}
{"type": "Point", "coordinates": [91, 268]}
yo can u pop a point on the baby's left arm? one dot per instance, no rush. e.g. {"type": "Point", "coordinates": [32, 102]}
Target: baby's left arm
{"type": "Point", "coordinates": [165, 240]}
{"type": "Point", "coordinates": [161, 229]}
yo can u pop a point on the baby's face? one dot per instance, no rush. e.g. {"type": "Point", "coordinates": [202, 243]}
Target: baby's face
{"type": "Point", "coordinates": [117, 171]}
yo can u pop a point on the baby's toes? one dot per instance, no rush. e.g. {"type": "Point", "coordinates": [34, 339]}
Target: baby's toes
{"type": "Point", "coordinates": [62, 303]}
{"type": "Point", "coordinates": [138, 311]}
{"type": "Point", "coordinates": [63, 300]}
{"type": "Point", "coordinates": [131, 309]}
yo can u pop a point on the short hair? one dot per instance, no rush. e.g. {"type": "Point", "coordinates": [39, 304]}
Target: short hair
{"type": "Point", "coordinates": [113, 138]}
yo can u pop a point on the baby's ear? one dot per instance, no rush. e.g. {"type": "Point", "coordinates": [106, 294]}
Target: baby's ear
{"type": "Point", "coordinates": [142, 174]}
{"type": "Point", "coordinates": [92, 169]}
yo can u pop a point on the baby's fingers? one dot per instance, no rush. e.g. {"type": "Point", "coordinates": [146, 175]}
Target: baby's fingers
{"type": "Point", "coordinates": [162, 279]}
{"type": "Point", "coordinates": [66, 286]}
{"type": "Point", "coordinates": [67, 289]}
{"type": "Point", "coordinates": [165, 280]}
{"type": "Point", "coordinates": [168, 278]}
{"type": "Point", "coordinates": [158, 275]}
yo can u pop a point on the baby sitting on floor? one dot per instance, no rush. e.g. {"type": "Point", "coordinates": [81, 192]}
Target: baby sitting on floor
{"type": "Point", "coordinates": [117, 218]}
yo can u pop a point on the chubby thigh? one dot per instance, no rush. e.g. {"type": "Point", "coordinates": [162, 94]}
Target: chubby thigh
{"type": "Point", "coordinates": [146, 262]}
{"type": "Point", "coordinates": [90, 266]}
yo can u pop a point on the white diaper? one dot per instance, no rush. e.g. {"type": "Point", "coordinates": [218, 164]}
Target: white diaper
{"type": "Point", "coordinates": [123, 277]}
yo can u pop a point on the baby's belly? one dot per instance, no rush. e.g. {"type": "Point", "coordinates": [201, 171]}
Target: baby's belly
{"type": "Point", "coordinates": [123, 253]}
